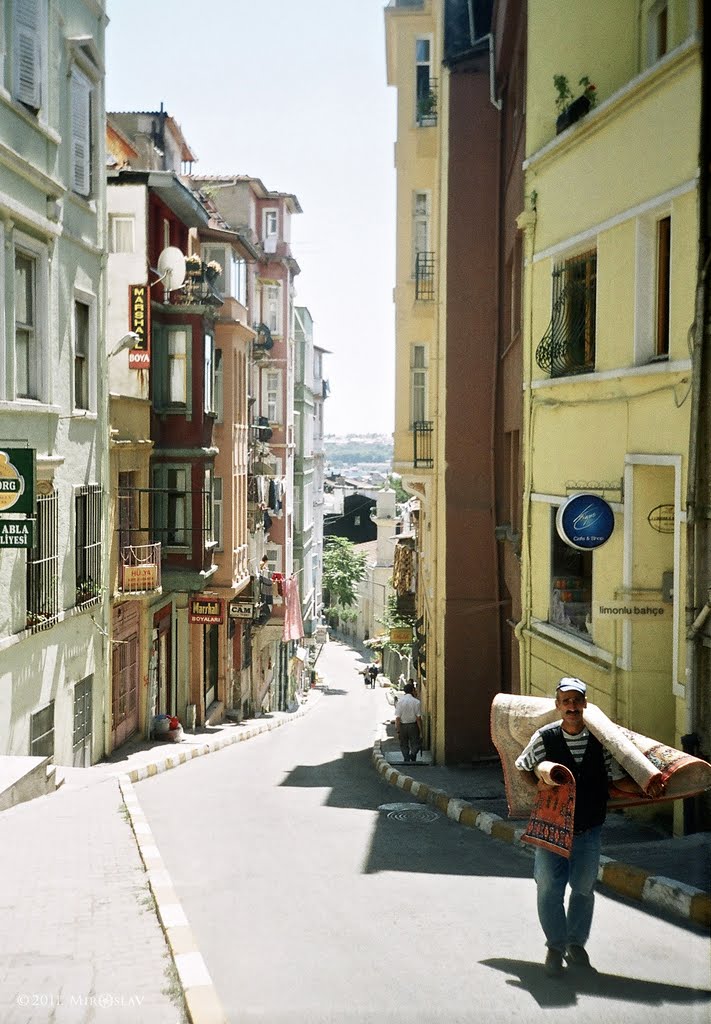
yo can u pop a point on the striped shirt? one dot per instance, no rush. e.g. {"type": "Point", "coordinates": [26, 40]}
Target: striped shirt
{"type": "Point", "coordinates": [535, 752]}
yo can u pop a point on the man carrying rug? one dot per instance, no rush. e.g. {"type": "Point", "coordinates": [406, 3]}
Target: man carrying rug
{"type": "Point", "coordinates": [593, 768]}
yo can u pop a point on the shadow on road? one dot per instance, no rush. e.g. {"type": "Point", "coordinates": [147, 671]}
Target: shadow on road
{"type": "Point", "coordinates": [564, 991]}
{"type": "Point", "coordinates": [422, 841]}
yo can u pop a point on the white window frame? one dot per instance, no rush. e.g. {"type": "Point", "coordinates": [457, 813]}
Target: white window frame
{"type": "Point", "coordinates": [38, 253]}
{"type": "Point", "coordinates": [646, 277]}
{"type": "Point", "coordinates": [270, 229]}
{"type": "Point", "coordinates": [162, 499]}
{"type": "Point", "coordinates": [653, 31]}
{"type": "Point", "coordinates": [88, 300]}
{"type": "Point", "coordinates": [272, 306]}
{"type": "Point", "coordinates": [422, 64]}
{"type": "Point", "coordinates": [30, 40]}
{"type": "Point", "coordinates": [173, 361]}
{"type": "Point", "coordinates": [209, 405]}
{"type": "Point", "coordinates": [416, 371]}
{"type": "Point", "coordinates": [219, 385]}
{"type": "Point", "coordinates": [125, 219]}
{"type": "Point", "coordinates": [272, 395]}
{"type": "Point", "coordinates": [421, 222]}
{"type": "Point", "coordinates": [217, 511]}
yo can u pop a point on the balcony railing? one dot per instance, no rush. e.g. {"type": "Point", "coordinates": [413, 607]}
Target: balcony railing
{"type": "Point", "coordinates": [568, 346]}
{"type": "Point", "coordinates": [139, 570]}
{"type": "Point", "coordinates": [422, 431]}
{"type": "Point", "coordinates": [427, 106]}
{"type": "Point", "coordinates": [425, 276]}
{"type": "Point", "coordinates": [171, 518]}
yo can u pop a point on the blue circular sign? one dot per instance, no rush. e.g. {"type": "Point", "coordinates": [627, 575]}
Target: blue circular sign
{"type": "Point", "coordinates": [585, 521]}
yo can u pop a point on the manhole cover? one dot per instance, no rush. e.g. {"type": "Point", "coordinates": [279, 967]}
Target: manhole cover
{"type": "Point", "coordinates": [409, 812]}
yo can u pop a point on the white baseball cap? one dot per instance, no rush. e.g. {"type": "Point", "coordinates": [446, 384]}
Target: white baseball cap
{"type": "Point", "coordinates": [571, 683]}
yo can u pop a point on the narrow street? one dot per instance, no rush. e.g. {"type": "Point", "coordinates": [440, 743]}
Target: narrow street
{"type": "Point", "coordinates": [310, 902]}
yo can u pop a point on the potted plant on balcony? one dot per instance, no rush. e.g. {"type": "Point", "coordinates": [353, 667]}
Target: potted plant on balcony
{"type": "Point", "coordinates": [212, 271]}
{"type": "Point", "coordinates": [193, 265]}
{"type": "Point", "coordinates": [572, 109]}
{"type": "Point", "coordinates": [427, 108]}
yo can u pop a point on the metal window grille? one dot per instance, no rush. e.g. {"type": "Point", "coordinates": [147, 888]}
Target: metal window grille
{"type": "Point", "coordinates": [568, 346]}
{"type": "Point", "coordinates": [42, 732]}
{"type": "Point", "coordinates": [88, 543]}
{"type": "Point", "coordinates": [422, 432]}
{"type": "Point", "coordinates": [42, 582]}
{"type": "Point", "coordinates": [425, 276]}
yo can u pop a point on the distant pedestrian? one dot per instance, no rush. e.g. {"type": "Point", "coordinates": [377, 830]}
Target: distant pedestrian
{"type": "Point", "coordinates": [568, 742]}
{"type": "Point", "coordinates": [408, 723]}
{"type": "Point", "coordinates": [373, 674]}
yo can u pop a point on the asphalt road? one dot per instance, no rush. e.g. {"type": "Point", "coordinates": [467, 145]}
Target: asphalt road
{"type": "Point", "coordinates": [311, 901]}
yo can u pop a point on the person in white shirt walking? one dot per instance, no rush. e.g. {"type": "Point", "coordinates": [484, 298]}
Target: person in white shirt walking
{"type": "Point", "coordinates": [408, 723]}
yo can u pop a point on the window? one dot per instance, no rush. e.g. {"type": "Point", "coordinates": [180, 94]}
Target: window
{"type": "Point", "coordinates": [663, 287]}
{"type": "Point", "coordinates": [171, 507]}
{"type": "Point", "coordinates": [81, 95]}
{"type": "Point", "coordinates": [26, 340]}
{"type": "Point", "coordinates": [209, 375]}
{"type": "Point", "coordinates": [272, 306]}
{"type": "Point", "coordinates": [418, 384]}
{"type": "Point", "coordinates": [81, 355]}
{"type": "Point", "coordinates": [177, 366]}
{"type": "Point", "coordinates": [270, 229]}
{"type": "Point", "coordinates": [420, 225]}
{"type": "Point", "coordinates": [42, 580]}
{"type": "Point", "coordinates": [87, 543]}
{"type": "Point", "coordinates": [42, 732]}
{"type": "Point", "coordinates": [271, 395]}
{"type": "Point", "coordinates": [568, 346]}
{"type": "Point", "coordinates": [31, 284]}
{"type": "Point", "coordinates": [217, 512]}
{"type": "Point", "coordinates": [166, 233]}
{"type": "Point", "coordinates": [219, 386]}
{"type": "Point", "coordinates": [571, 586]}
{"type": "Point", "coordinates": [207, 507]}
{"type": "Point", "coordinates": [127, 509]}
{"type": "Point", "coordinates": [423, 45]}
{"type": "Point", "coordinates": [658, 31]}
{"type": "Point", "coordinates": [29, 52]}
{"type": "Point", "coordinates": [121, 233]}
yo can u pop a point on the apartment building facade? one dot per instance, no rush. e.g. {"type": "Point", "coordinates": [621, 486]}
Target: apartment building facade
{"type": "Point", "coordinates": [53, 428]}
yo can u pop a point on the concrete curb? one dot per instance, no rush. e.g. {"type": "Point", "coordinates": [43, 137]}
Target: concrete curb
{"type": "Point", "coordinates": [165, 763]}
{"type": "Point", "coordinates": [657, 892]}
{"type": "Point", "coordinates": [201, 1000]}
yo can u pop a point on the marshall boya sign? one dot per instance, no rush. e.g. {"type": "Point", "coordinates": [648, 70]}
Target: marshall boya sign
{"type": "Point", "coordinates": [206, 610]}
{"type": "Point", "coordinates": [139, 321]}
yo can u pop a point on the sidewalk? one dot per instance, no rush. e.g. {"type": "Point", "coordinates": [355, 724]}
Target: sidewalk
{"type": "Point", "coordinates": [641, 862]}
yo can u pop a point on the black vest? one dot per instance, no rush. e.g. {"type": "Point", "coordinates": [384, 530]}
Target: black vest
{"type": "Point", "coordinates": [591, 784]}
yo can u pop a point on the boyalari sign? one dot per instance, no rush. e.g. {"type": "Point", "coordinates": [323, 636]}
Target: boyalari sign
{"type": "Point", "coordinates": [205, 610]}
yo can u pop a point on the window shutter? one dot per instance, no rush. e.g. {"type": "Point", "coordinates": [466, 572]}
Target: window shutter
{"type": "Point", "coordinates": [27, 52]}
{"type": "Point", "coordinates": [81, 134]}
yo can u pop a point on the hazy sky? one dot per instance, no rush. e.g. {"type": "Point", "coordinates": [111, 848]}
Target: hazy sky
{"type": "Point", "coordinates": [292, 92]}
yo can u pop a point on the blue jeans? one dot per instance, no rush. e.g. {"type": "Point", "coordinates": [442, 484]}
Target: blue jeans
{"type": "Point", "coordinates": [552, 873]}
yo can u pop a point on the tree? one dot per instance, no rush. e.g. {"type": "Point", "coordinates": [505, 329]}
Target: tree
{"type": "Point", "coordinates": [343, 568]}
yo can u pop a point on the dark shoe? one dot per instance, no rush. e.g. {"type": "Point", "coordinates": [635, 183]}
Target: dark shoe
{"type": "Point", "coordinates": [554, 963]}
{"type": "Point", "coordinates": [578, 957]}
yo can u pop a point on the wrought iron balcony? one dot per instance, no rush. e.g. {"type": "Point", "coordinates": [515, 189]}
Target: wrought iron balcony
{"type": "Point", "coordinates": [422, 431]}
{"type": "Point", "coordinates": [139, 569]}
{"type": "Point", "coordinates": [425, 276]}
{"type": "Point", "coordinates": [568, 346]}
{"type": "Point", "coordinates": [427, 105]}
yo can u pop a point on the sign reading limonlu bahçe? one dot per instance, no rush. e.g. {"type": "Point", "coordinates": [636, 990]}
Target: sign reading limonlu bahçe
{"type": "Point", "coordinates": [17, 481]}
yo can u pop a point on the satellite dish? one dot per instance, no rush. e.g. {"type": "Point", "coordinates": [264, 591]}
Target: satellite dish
{"type": "Point", "coordinates": [171, 267]}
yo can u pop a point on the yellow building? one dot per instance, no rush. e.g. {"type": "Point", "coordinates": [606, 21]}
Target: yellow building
{"type": "Point", "coordinates": [412, 47]}
{"type": "Point", "coordinates": [611, 235]}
